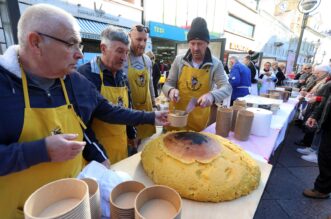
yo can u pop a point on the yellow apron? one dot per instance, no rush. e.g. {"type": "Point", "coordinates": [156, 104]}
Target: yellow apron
{"type": "Point", "coordinates": [39, 123]}
{"type": "Point", "coordinates": [112, 137]}
{"type": "Point", "coordinates": [193, 83]}
{"type": "Point", "coordinates": [141, 97]}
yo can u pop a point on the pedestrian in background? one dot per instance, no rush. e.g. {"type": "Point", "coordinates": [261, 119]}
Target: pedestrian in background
{"type": "Point", "coordinates": [240, 79]}
{"type": "Point", "coordinates": [156, 72]}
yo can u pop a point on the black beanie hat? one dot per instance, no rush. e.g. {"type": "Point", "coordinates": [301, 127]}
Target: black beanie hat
{"type": "Point", "coordinates": [199, 30]}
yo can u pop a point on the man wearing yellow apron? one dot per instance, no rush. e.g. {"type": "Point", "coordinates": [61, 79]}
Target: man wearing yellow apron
{"type": "Point", "coordinates": [106, 74]}
{"type": "Point", "coordinates": [138, 69]}
{"type": "Point", "coordinates": [197, 74]}
{"type": "Point", "coordinates": [44, 105]}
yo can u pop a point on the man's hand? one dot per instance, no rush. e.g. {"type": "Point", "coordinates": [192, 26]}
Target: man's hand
{"type": "Point", "coordinates": [106, 163]}
{"type": "Point", "coordinates": [206, 100]}
{"type": "Point", "coordinates": [174, 95]}
{"type": "Point", "coordinates": [63, 147]}
{"type": "Point", "coordinates": [303, 93]}
{"type": "Point", "coordinates": [161, 118]}
{"type": "Point", "coordinates": [311, 122]}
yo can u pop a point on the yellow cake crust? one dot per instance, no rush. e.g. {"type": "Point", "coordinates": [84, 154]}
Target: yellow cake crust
{"type": "Point", "coordinates": [228, 174]}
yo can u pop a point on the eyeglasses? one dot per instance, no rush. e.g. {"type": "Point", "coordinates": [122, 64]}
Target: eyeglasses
{"type": "Point", "coordinates": [140, 28]}
{"type": "Point", "coordinates": [306, 68]}
{"type": "Point", "coordinates": [69, 45]}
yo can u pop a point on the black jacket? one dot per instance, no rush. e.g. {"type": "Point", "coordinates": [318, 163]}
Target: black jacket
{"type": "Point", "coordinates": [322, 112]}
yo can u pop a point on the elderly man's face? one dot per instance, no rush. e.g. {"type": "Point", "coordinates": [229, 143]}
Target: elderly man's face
{"type": "Point", "coordinates": [61, 51]}
{"type": "Point", "coordinates": [319, 74]}
{"type": "Point", "coordinates": [114, 55]}
{"type": "Point", "coordinates": [138, 42]}
{"type": "Point", "coordinates": [198, 49]}
{"type": "Point", "coordinates": [307, 69]}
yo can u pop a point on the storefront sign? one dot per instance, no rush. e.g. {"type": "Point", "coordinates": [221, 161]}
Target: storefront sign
{"type": "Point", "coordinates": [238, 47]}
{"type": "Point", "coordinates": [111, 18]}
{"type": "Point", "coordinates": [171, 32]}
{"type": "Point", "coordinates": [167, 31]}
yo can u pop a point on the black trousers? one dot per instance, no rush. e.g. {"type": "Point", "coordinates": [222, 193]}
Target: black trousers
{"type": "Point", "coordinates": [323, 181]}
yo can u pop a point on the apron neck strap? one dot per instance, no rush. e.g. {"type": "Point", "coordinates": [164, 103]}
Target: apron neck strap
{"type": "Point", "coordinates": [100, 71]}
{"type": "Point", "coordinates": [25, 88]}
{"type": "Point", "coordinates": [65, 91]}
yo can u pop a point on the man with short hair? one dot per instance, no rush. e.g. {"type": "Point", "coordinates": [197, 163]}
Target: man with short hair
{"type": "Point", "coordinates": [45, 105]}
{"type": "Point", "coordinates": [240, 78]}
{"type": "Point", "coordinates": [306, 73]}
{"type": "Point", "coordinates": [105, 72]}
{"type": "Point", "coordinates": [138, 69]}
{"type": "Point", "coordinates": [195, 74]}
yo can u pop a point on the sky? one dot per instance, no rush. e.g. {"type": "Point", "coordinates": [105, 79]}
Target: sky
{"type": "Point", "coordinates": [325, 9]}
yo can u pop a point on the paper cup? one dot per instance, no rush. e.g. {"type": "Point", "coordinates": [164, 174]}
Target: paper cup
{"type": "Point", "coordinates": [286, 96]}
{"type": "Point", "coordinates": [178, 118]}
{"type": "Point", "coordinates": [122, 199]}
{"type": "Point", "coordinates": [274, 95]}
{"type": "Point", "coordinates": [240, 103]}
{"type": "Point", "coordinates": [223, 121]}
{"type": "Point", "coordinates": [243, 125]}
{"type": "Point", "coordinates": [158, 201]}
{"type": "Point", "coordinates": [94, 195]}
{"type": "Point", "coordinates": [64, 198]}
{"type": "Point", "coordinates": [235, 109]}
{"type": "Point", "coordinates": [264, 95]}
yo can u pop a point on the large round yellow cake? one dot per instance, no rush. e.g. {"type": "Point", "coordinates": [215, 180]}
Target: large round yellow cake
{"type": "Point", "coordinates": [200, 166]}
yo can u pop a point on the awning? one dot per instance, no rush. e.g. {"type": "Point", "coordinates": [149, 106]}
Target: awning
{"type": "Point", "coordinates": [92, 29]}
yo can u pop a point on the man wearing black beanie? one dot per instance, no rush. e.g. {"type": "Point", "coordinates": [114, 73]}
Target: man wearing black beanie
{"type": "Point", "coordinates": [197, 74]}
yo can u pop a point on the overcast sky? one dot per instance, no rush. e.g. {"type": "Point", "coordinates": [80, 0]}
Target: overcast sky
{"type": "Point", "coordinates": [325, 11]}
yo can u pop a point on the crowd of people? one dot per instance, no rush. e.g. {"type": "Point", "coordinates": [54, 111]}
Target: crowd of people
{"type": "Point", "coordinates": [56, 118]}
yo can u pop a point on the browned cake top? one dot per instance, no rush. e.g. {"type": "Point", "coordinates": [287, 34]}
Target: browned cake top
{"type": "Point", "coordinates": [191, 146]}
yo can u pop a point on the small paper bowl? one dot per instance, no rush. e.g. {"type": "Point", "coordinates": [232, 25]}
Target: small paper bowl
{"type": "Point", "coordinates": [178, 118]}
{"type": "Point", "coordinates": [122, 199]}
{"type": "Point", "coordinates": [94, 195]}
{"type": "Point", "coordinates": [64, 198]}
{"type": "Point", "coordinates": [158, 201]}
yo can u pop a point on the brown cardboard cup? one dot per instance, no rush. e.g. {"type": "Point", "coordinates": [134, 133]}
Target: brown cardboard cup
{"type": "Point", "coordinates": [94, 194]}
{"type": "Point", "coordinates": [223, 121]}
{"type": "Point", "coordinates": [234, 115]}
{"type": "Point", "coordinates": [286, 96]}
{"type": "Point", "coordinates": [158, 201]}
{"type": "Point", "coordinates": [275, 95]}
{"type": "Point", "coordinates": [122, 199]}
{"type": "Point", "coordinates": [240, 103]}
{"type": "Point", "coordinates": [243, 125]}
{"type": "Point", "coordinates": [178, 118]}
{"type": "Point", "coordinates": [64, 198]}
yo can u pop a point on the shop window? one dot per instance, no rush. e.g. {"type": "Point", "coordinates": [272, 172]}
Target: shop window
{"type": "Point", "coordinates": [239, 26]}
